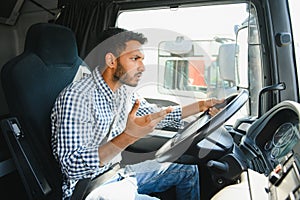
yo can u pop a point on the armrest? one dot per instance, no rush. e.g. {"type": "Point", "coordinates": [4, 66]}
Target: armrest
{"type": "Point", "coordinates": [27, 165]}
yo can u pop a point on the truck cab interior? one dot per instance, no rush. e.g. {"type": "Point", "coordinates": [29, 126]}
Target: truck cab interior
{"type": "Point", "coordinates": [245, 51]}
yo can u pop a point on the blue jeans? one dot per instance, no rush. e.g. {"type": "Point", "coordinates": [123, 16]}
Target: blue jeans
{"type": "Point", "coordinates": [158, 177]}
{"type": "Point", "coordinates": [135, 182]}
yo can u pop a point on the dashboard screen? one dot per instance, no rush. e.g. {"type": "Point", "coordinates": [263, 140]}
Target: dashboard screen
{"type": "Point", "coordinates": [283, 140]}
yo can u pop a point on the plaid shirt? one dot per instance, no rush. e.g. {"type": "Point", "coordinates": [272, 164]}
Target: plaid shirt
{"type": "Point", "coordinates": [82, 117]}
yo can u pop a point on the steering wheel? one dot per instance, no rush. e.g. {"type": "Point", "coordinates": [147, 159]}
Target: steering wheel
{"type": "Point", "coordinates": [200, 128]}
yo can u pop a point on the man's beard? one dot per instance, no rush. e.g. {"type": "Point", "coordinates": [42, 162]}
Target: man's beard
{"type": "Point", "coordinates": [122, 76]}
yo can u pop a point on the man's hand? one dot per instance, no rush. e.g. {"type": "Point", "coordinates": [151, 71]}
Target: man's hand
{"type": "Point", "coordinates": [201, 106]}
{"type": "Point", "coordinates": [138, 126]}
{"type": "Point", "coordinates": [208, 104]}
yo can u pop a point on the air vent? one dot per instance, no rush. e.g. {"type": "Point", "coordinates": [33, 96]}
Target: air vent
{"type": "Point", "coordinates": [258, 164]}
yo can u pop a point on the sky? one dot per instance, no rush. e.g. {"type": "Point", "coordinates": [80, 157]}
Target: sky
{"type": "Point", "coordinates": [195, 22]}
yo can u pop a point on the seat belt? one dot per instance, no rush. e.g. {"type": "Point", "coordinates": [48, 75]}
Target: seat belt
{"type": "Point", "coordinates": [80, 189]}
{"type": "Point", "coordinates": [96, 182]}
{"type": "Point", "coordinates": [87, 185]}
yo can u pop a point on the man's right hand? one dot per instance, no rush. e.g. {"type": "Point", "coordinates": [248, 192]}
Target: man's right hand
{"type": "Point", "coordinates": [136, 128]}
{"type": "Point", "coordinates": [140, 126]}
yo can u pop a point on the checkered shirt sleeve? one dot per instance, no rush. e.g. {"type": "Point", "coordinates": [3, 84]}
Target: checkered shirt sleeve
{"type": "Point", "coordinates": [173, 119]}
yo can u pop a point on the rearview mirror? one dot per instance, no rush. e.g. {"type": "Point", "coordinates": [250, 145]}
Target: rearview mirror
{"type": "Point", "coordinates": [178, 47]}
{"type": "Point", "coordinates": [226, 60]}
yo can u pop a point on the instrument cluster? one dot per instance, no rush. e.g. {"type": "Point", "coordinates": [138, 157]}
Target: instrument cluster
{"type": "Point", "coordinates": [282, 142]}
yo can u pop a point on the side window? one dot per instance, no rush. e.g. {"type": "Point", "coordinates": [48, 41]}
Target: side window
{"type": "Point", "coordinates": [194, 53]}
{"type": "Point", "coordinates": [294, 6]}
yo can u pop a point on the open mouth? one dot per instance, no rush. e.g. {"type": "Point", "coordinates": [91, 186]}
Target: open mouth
{"type": "Point", "coordinates": [138, 75]}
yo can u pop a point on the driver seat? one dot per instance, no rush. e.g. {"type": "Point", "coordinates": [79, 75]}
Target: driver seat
{"type": "Point", "coordinates": [31, 83]}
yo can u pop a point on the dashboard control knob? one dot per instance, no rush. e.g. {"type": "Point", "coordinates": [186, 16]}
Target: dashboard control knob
{"type": "Point", "coordinates": [217, 166]}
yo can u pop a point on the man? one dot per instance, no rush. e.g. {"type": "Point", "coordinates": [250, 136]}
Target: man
{"type": "Point", "coordinates": [96, 118]}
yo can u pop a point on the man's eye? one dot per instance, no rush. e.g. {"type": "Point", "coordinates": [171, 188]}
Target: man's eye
{"type": "Point", "coordinates": [134, 58]}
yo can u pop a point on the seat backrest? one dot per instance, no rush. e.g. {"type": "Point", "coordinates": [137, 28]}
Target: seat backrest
{"type": "Point", "coordinates": [31, 83]}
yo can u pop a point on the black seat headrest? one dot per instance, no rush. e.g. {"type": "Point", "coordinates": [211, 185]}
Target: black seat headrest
{"type": "Point", "coordinates": [43, 39]}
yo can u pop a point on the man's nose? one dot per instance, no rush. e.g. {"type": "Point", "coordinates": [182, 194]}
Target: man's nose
{"type": "Point", "coordinates": [141, 66]}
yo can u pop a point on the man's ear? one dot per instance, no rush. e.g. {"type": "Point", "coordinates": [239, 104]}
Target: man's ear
{"type": "Point", "coordinates": [110, 60]}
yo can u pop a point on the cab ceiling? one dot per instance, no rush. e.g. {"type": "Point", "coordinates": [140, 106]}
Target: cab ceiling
{"type": "Point", "coordinates": [136, 4]}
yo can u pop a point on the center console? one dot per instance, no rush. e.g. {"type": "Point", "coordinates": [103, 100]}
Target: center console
{"type": "Point", "coordinates": [283, 183]}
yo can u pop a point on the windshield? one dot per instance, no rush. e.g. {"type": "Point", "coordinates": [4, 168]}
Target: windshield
{"type": "Point", "coordinates": [194, 53]}
{"type": "Point", "coordinates": [294, 6]}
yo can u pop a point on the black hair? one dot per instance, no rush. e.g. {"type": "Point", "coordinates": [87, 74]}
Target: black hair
{"type": "Point", "coordinates": [120, 38]}
{"type": "Point", "coordinates": [112, 40]}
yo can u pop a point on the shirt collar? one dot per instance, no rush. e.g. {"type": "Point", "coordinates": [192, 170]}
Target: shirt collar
{"type": "Point", "coordinates": [102, 86]}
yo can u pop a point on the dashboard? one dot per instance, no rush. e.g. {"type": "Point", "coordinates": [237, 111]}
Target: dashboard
{"type": "Point", "coordinates": [272, 137]}
{"type": "Point", "coordinates": [283, 140]}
